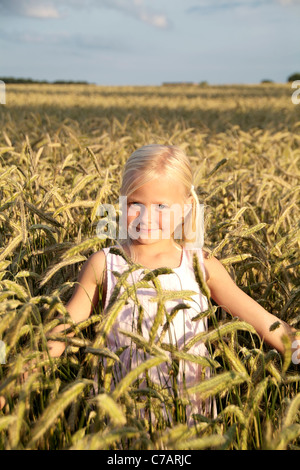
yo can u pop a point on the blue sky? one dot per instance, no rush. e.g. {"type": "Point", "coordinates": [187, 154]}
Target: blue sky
{"type": "Point", "coordinates": [147, 42]}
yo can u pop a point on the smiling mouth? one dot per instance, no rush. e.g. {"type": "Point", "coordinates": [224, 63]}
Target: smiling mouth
{"type": "Point", "coordinates": [144, 232]}
{"type": "Point", "coordinates": [147, 230]}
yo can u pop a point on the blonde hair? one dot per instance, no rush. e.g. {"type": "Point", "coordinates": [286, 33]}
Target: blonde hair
{"type": "Point", "coordinates": [151, 161]}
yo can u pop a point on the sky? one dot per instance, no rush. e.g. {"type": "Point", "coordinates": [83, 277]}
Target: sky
{"type": "Point", "coordinates": [148, 42]}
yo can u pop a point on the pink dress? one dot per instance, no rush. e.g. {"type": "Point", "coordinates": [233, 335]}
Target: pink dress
{"type": "Point", "coordinates": [181, 330]}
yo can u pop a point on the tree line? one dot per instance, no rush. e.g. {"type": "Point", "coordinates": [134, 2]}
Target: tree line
{"type": "Point", "coordinates": [291, 78]}
{"type": "Point", "coordinates": [30, 80]}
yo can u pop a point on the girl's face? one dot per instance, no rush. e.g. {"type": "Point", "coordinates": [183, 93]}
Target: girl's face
{"type": "Point", "coordinates": [155, 209]}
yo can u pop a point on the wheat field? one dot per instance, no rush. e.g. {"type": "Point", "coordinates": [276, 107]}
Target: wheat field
{"type": "Point", "coordinates": [62, 148]}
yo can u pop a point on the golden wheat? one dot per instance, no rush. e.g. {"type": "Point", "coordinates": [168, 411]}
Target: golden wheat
{"type": "Point", "coordinates": [58, 163]}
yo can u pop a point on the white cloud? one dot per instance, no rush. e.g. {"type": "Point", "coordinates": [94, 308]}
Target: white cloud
{"type": "Point", "coordinates": [139, 10]}
{"type": "Point", "coordinates": [159, 21]}
{"type": "Point", "coordinates": [213, 5]}
{"type": "Point", "coordinates": [29, 8]}
{"type": "Point", "coordinates": [54, 9]}
{"type": "Point", "coordinates": [288, 2]}
{"type": "Point", "coordinates": [36, 10]}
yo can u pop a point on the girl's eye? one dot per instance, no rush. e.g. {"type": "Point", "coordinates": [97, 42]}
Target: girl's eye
{"type": "Point", "coordinates": [162, 207]}
{"type": "Point", "coordinates": [159, 207]}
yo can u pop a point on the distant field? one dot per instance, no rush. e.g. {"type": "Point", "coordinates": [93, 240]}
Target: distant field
{"type": "Point", "coordinates": [62, 148]}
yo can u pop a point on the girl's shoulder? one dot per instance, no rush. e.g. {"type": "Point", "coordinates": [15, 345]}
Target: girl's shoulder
{"type": "Point", "coordinates": [214, 269]}
{"type": "Point", "coordinates": [101, 257]}
{"type": "Point", "coordinates": [95, 266]}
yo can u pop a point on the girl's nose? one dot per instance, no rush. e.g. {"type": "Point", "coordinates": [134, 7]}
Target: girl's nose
{"type": "Point", "coordinates": [145, 216]}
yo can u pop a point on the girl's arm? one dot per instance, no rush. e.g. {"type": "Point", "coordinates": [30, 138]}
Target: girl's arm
{"type": "Point", "coordinates": [229, 296]}
{"type": "Point", "coordinates": [84, 298]}
{"type": "Point", "coordinates": [81, 304]}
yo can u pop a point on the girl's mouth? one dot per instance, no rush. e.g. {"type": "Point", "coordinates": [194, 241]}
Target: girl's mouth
{"type": "Point", "coordinates": [147, 230]}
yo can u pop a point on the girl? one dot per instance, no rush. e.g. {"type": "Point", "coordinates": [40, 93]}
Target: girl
{"type": "Point", "coordinates": [164, 229]}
